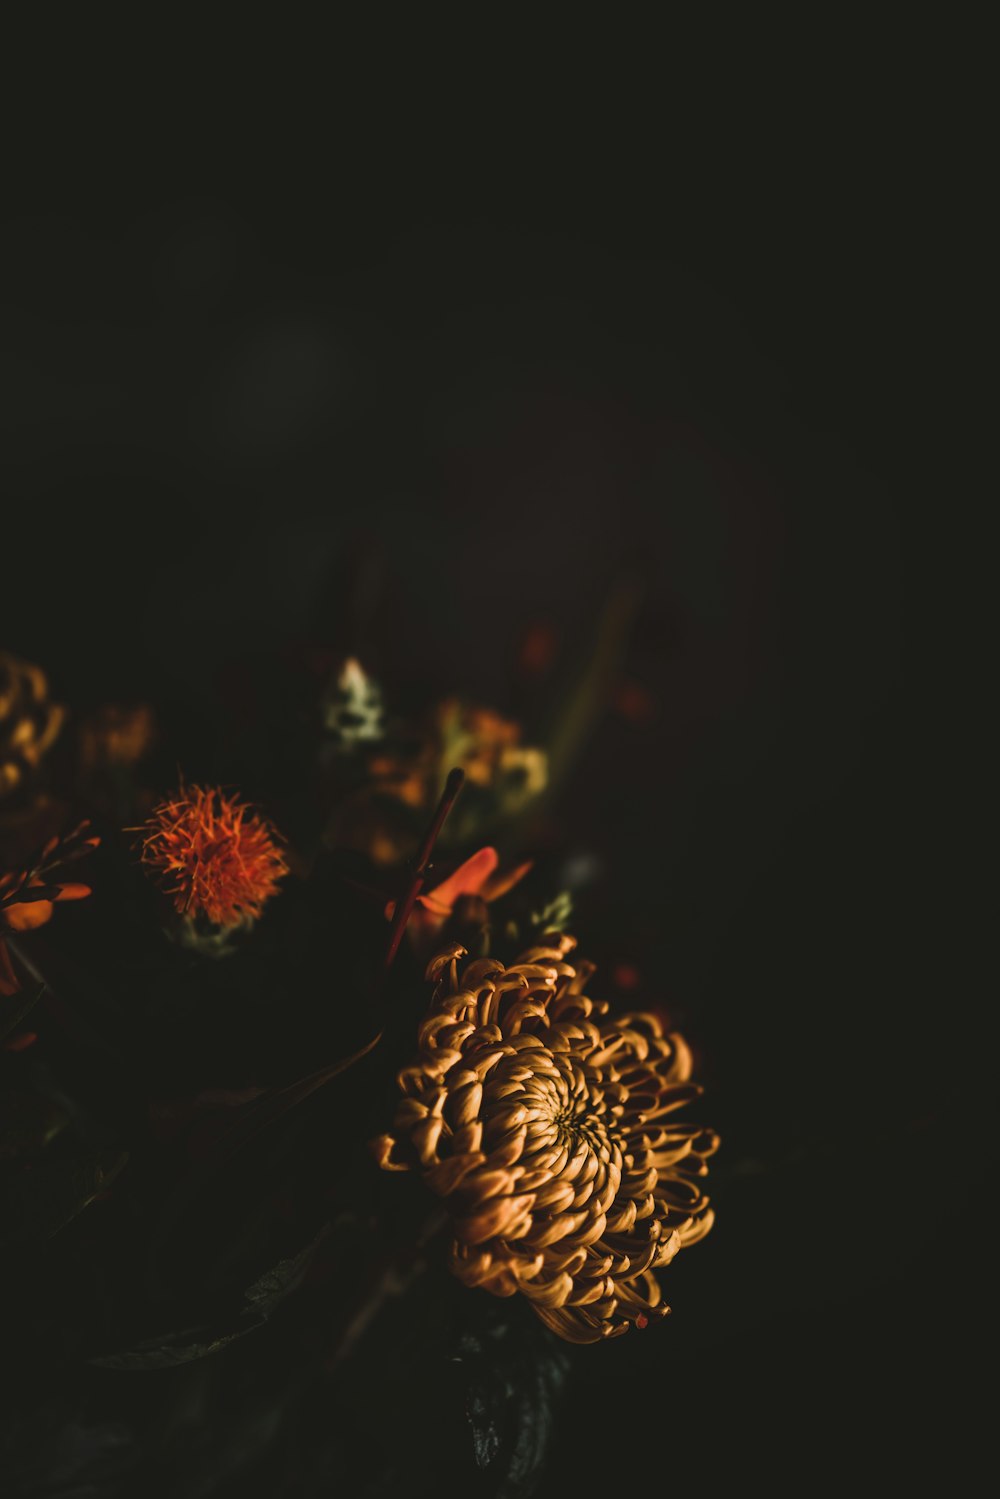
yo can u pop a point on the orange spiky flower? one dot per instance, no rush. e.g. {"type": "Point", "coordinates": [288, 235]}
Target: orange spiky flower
{"type": "Point", "coordinates": [214, 856]}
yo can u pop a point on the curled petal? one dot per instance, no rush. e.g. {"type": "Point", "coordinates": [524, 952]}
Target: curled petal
{"type": "Point", "coordinates": [494, 1219]}
{"type": "Point", "coordinates": [383, 1149]}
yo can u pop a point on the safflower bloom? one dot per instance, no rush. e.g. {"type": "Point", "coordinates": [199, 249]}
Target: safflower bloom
{"type": "Point", "coordinates": [549, 1133]}
{"type": "Point", "coordinates": [212, 855]}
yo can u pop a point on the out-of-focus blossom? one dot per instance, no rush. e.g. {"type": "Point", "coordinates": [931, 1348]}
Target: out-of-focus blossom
{"type": "Point", "coordinates": [488, 748]}
{"type": "Point", "coordinates": [29, 722]}
{"type": "Point", "coordinates": [406, 775]}
{"type": "Point", "coordinates": [116, 735]}
{"type": "Point", "coordinates": [634, 702]}
{"type": "Point", "coordinates": [352, 708]}
{"type": "Point", "coordinates": [481, 742]}
{"type": "Point", "coordinates": [538, 649]}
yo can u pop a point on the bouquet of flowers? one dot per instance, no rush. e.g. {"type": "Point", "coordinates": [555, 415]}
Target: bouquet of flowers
{"type": "Point", "coordinates": [323, 1061]}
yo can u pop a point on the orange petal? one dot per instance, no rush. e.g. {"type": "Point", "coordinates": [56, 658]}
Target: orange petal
{"type": "Point", "coordinates": [428, 919]}
{"type": "Point", "coordinates": [468, 879]}
{"type": "Point", "coordinates": [29, 914]}
{"type": "Point", "coordinates": [73, 892]}
{"type": "Point", "coordinates": [21, 1042]}
{"type": "Point", "coordinates": [501, 883]}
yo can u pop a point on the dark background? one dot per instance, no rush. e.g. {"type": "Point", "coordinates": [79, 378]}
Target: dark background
{"type": "Point", "coordinates": [242, 414]}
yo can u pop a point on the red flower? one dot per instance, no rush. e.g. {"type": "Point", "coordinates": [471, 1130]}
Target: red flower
{"type": "Point", "coordinates": [213, 855]}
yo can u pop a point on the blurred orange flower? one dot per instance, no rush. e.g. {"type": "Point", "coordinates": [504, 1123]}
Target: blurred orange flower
{"type": "Point", "coordinates": [488, 748]}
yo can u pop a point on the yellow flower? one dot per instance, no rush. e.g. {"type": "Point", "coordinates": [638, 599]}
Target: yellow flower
{"type": "Point", "coordinates": [550, 1133]}
{"type": "Point", "coordinates": [29, 722]}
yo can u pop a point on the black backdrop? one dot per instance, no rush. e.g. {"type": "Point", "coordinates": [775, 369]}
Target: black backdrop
{"type": "Point", "coordinates": [242, 416]}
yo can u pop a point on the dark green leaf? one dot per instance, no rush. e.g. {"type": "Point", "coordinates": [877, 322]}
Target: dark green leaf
{"type": "Point", "coordinates": [512, 1375]}
{"type": "Point", "coordinates": [41, 1202]}
{"type": "Point", "coordinates": [28, 1122]}
{"type": "Point", "coordinates": [583, 704]}
{"type": "Point", "coordinates": [286, 1276]}
{"type": "Point", "coordinates": [195, 1343]}
{"type": "Point", "coordinates": [251, 1118]}
{"type": "Point", "coordinates": [14, 1007]}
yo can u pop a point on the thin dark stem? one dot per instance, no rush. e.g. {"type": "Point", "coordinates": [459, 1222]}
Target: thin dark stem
{"type": "Point", "coordinates": [65, 1014]}
{"type": "Point", "coordinates": [404, 907]}
{"type": "Point", "coordinates": [25, 962]}
{"type": "Point", "coordinates": [396, 1278]}
{"type": "Point", "coordinates": [252, 1118]}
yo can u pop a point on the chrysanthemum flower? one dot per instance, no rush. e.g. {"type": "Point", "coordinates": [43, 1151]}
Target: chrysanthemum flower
{"type": "Point", "coordinates": [29, 721]}
{"type": "Point", "coordinates": [212, 855]}
{"type": "Point", "coordinates": [550, 1134]}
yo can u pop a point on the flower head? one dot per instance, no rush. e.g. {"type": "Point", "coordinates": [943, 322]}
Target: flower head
{"type": "Point", "coordinates": [29, 722]}
{"type": "Point", "coordinates": [213, 855]}
{"type": "Point", "coordinates": [550, 1134]}
{"type": "Point", "coordinates": [488, 747]}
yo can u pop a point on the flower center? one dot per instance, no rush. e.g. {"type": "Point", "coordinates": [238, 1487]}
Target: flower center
{"type": "Point", "coordinates": [578, 1121]}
